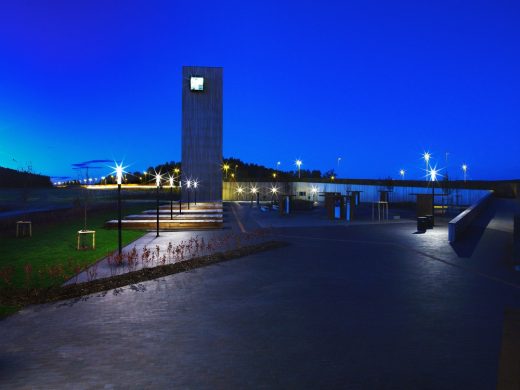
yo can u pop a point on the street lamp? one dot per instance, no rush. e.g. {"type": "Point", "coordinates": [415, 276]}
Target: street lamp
{"type": "Point", "coordinates": [254, 191]}
{"type": "Point", "coordinates": [158, 178]}
{"type": "Point", "coordinates": [119, 178]}
{"type": "Point", "coordinates": [314, 191]}
{"type": "Point", "coordinates": [402, 172]}
{"type": "Point", "coordinates": [226, 168]}
{"type": "Point", "coordinates": [433, 173]}
{"type": "Point", "coordinates": [239, 192]}
{"type": "Point", "coordinates": [170, 178]}
{"type": "Point", "coordinates": [298, 164]}
{"type": "Point", "coordinates": [188, 186]}
{"type": "Point", "coordinates": [273, 190]}
{"type": "Point", "coordinates": [195, 185]}
{"type": "Point", "coordinates": [339, 159]}
{"type": "Point", "coordinates": [464, 169]}
{"type": "Point", "coordinates": [426, 157]}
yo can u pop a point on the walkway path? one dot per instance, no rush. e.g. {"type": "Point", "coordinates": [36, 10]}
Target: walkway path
{"type": "Point", "coordinates": [342, 307]}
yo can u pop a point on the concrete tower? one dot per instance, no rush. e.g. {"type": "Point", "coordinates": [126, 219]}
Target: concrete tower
{"type": "Point", "coordinates": [202, 130]}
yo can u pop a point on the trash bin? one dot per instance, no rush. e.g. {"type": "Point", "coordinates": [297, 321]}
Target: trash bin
{"type": "Point", "coordinates": [429, 219]}
{"type": "Point", "coordinates": [422, 224]}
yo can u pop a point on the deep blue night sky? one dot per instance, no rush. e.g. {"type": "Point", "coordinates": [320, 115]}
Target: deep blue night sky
{"type": "Point", "coordinates": [374, 82]}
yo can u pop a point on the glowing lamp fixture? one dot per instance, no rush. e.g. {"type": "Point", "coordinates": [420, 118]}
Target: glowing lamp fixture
{"type": "Point", "coordinates": [195, 184]}
{"type": "Point", "coordinates": [254, 190]}
{"type": "Point", "coordinates": [274, 190]}
{"type": "Point", "coordinates": [119, 173]}
{"type": "Point", "coordinates": [158, 178]}
{"type": "Point", "coordinates": [170, 179]}
{"type": "Point", "coordinates": [188, 183]}
{"type": "Point", "coordinates": [314, 190]}
{"type": "Point", "coordinates": [464, 167]}
{"type": "Point", "coordinates": [433, 174]}
{"type": "Point", "coordinates": [402, 172]}
{"type": "Point", "coordinates": [240, 189]}
{"type": "Point", "coordinates": [426, 156]}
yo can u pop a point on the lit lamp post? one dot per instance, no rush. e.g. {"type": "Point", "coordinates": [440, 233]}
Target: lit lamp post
{"type": "Point", "coordinates": [188, 185]}
{"type": "Point", "coordinates": [195, 185]}
{"type": "Point", "coordinates": [298, 164]}
{"type": "Point", "coordinates": [402, 172]}
{"type": "Point", "coordinates": [254, 190]}
{"type": "Point", "coordinates": [339, 159]}
{"type": "Point", "coordinates": [426, 157]}
{"type": "Point", "coordinates": [170, 178]}
{"type": "Point", "coordinates": [226, 169]}
{"type": "Point", "coordinates": [239, 192]}
{"type": "Point", "coordinates": [314, 191]}
{"type": "Point", "coordinates": [433, 173]}
{"type": "Point", "coordinates": [274, 190]}
{"type": "Point", "coordinates": [158, 178]}
{"type": "Point", "coordinates": [119, 176]}
{"type": "Point", "coordinates": [464, 169]}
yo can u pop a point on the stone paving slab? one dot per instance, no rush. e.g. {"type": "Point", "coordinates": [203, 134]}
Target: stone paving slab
{"type": "Point", "coordinates": [304, 316]}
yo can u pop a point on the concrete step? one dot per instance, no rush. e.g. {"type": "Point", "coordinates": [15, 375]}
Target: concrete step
{"type": "Point", "coordinates": [150, 224]}
{"type": "Point", "coordinates": [166, 216]}
{"type": "Point", "coordinates": [183, 211]}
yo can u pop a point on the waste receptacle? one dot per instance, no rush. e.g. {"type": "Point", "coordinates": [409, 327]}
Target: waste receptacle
{"type": "Point", "coordinates": [422, 224]}
{"type": "Point", "coordinates": [429, 219]}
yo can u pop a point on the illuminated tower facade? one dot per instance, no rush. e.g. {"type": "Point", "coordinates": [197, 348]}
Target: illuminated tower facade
{"type": "Point", "coordinates": [202, 124]}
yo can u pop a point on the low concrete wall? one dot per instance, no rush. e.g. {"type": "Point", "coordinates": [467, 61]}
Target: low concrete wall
{"type": "Point", "coordinates": [461, 222]}
{"type": "Point", "coordinates": [516, 240]}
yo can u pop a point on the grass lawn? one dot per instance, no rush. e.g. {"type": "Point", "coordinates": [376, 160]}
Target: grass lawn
{"type": "Point", "coordinates": [53, 245]}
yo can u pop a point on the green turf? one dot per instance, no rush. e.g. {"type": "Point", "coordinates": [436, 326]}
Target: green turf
{"type": "Point", "coordinates": [54, 244]}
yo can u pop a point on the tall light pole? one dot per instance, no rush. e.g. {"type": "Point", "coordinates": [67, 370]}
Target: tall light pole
{"type": "Point", "coordinates": [314, 191]}
{"type": "Point", "coordinates": [239, 192]}
{"type": "Point", "coordinates": [274, 190]}
{"type": "Point", "coordinates": [188, 186]}
{"type": "Point", "coordinates": [426, 157]}
{"type": "Point", "coordinates": [170, 178]}
{"type": "Point", "coordinates": [158, 178]}
{"type": "Point", "coordinates": [195, 185]}
{"type": "Point", "coordinates": [226, 168]}
{"type": "Point", "coordinates": [402, 172]}
{"type": "Point", "coordinates": [119, 176]}
{"type": "Point", "coordinates": [464, 169]}
{"type": "Point", "coordinates": [298, 164]}
{"type": "Point", "coordinates": [433, 173]}
{"type": "Point", "coordinates": [339, 159]}
{"type": "Point", "coordinates": [254, 190]}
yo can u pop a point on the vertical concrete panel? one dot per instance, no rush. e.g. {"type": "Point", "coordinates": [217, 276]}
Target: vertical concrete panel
{"type": "Point", "coordinates": [202, 123]}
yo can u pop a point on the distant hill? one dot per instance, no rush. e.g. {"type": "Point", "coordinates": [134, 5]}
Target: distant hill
{"type": "Point", "coordinates": [10, 178]}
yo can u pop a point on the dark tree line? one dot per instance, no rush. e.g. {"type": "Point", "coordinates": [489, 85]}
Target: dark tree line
{"type": "Point", "coordinates": [11, 178]}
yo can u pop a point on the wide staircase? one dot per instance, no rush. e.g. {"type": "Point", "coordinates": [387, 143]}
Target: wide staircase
{"type": "Point", "coordinates": [208, 215]}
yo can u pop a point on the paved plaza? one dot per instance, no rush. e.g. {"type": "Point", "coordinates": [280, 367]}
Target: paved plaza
{"type": "Point", "coordinates": [356, 306]}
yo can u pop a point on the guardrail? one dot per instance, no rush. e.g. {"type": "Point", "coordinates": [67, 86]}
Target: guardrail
{"type": "Point", "coordinates": [461, 222]}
